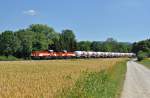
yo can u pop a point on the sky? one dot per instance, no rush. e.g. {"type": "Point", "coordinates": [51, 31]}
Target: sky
{"type": "Point", "coordinates": [124, 20]}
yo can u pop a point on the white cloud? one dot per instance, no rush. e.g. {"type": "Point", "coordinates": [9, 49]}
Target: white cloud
{"type": "Point", "coordinates": [30, 12]}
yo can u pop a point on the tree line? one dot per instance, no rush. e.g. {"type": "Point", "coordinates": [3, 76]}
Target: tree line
{"type": "Point", "coordinates": [42, 37]}
{"type": "Point", "coordinates": [142, 49]}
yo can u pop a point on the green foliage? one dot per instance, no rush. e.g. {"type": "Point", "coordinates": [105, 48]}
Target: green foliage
{"type": "Point", "coordinates": [103, 84]}
{"type": "Point", "coordinates": [84, 45]}
{"type": "Point", "coordinates": [37, 37]}
{"type": "Point", "coordinates": [111, 45]}
{"type": "Point", "coordinates": [141, 55]}
{"type": "Point", "coordinates": [40, 42]}
{"type": "Point", "coordinates": [8, 43]}
{"type": "Point", "coordinates": [96, 46]}
{"type": "Point", "coordinates": [142, 46]}
{"type": "Point", "coordinates": [64, 41]}
{"type": "Point", "coordinates": [49, 32]}
{"type": "Point", "coordinates": [22, 42]}
{"type": "Point", "coordinates": [67, 40]}
{"type": "Point", "coordinates": [26, 38]}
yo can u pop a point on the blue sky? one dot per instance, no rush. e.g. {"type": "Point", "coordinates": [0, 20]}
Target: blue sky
{"type": "Point", "coordinates": [124, 20]}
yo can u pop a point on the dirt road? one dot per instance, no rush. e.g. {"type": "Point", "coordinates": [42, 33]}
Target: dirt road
{"type": "Point", "coordinates": [137, 82]}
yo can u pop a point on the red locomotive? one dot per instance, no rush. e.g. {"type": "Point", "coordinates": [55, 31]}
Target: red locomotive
{"type": "Point", "coordinates": [50, 54]}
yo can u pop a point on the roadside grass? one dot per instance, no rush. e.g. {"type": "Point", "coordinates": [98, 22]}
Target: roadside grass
{"type": "Point", "coordinates": [9, 58]}
{"type": "Point", "coordinates": [43, 79]}
{"type": "Point", "coordinates": [146, 62]}
{"type": "Point", "coordinates": [107, 83]}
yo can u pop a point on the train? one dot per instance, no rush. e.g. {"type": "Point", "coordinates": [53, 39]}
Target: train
{"type": "Point", "coordinates": [50, 54]}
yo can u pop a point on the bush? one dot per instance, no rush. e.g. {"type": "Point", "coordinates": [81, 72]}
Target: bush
{"type": "Point", "coordinates": [141, 55]}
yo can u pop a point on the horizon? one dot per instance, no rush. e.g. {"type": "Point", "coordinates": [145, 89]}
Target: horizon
{"type": "Point", "coordinates": [96, 20]}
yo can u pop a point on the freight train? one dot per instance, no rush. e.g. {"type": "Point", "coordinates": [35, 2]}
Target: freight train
{"type": "Point", "coordinates": [50, 54]}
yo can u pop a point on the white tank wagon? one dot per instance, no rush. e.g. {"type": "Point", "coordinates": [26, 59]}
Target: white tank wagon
{"type": "Point", "coordinates": [131, 55]}
{"type": "Point", "coordinates": [99, 54]}
{"type": "Point", "coordinates": [105, 54]}
{"type": "Point", "coordinates": [78, 54]}
{"type": "Point", "coordinates": [117, 54]}
{"type": "Point", "coordinates": [90, 54]}
{"type": "Point", "coordinates": [94, 54]}
{"type": "Point", "coordinates": [113, 54]}
{"type": "Point", "coordinates": [84, 54]}
{"type": "Point", "coordinates": [110, 54]}
{"type": "Point", "coordinates": [121, 54]}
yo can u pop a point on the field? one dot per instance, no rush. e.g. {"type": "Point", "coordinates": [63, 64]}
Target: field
{"type": "Point", "coordinates": [46, 79]}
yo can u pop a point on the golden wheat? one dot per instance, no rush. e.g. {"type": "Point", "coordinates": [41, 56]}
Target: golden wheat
{"type": "Point", "coordinates": [43, 79]}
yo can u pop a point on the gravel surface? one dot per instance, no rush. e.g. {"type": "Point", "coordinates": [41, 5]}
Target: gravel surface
{"type": "Point", "coordinates": [137, 82]}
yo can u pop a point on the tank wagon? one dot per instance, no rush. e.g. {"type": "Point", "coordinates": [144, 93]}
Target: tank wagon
{"type": "Point", "coordinates": [50, 54]}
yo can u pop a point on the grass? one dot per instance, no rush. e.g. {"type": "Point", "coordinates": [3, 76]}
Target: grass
{"type": "Point", "coordinates": [45, 79]}
{"type": "Point", "coordinates": [102, 84]}
{"type": "Point", "coordinates": [146, 62]}
{"type": "Point", "coordinates": [9, 58]}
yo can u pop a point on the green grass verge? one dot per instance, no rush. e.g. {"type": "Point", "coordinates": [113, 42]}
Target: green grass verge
{"type": "Point", "coordinates": [9, 58]}
{"type": "Point", "coordinates": [145, 62]}
{"type": "Point", "coordinates": [103, 84]}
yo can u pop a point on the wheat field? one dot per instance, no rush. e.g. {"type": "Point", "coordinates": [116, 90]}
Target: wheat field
{"type": "Point", "coordinates": [43, 79]}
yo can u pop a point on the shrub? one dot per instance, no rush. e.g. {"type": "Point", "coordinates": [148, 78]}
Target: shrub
{"type": "Point", "coordinates": [141, 55]}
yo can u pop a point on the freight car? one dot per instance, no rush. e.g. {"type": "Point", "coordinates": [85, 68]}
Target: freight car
{"type": "Point", "coordinates": [50, 54]}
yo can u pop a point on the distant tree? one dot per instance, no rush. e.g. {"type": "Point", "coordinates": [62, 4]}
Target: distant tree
{"type": "Point", "coordinates": [9, 43]}
{"type": "Point", "coordinates": [96, 46]}
{"type": "Point", "coordinates": [84, 45]}
{"type": "Point", "coordinates": [44, 29]}
{"type": "Point", "coordinates": [26, 37]}
{"type": "Point", "coordinates": [40, 42]}
{"type": "Point", "coordinates": [67, 40]}
{"type": "Point", "coordinates": [124, 47]}
{"type": "Point", "coordinates": [110, 40]}
{"type": "Point", "coordinates": [57, 44]}
{"type": "Point", "coordinates": [141, 46]}
{"type": "Point", "coordinates": [110, 45]}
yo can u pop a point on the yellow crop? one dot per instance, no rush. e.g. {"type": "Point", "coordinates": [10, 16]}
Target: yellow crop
{"type": "Point", "coordinates": [43, 79]}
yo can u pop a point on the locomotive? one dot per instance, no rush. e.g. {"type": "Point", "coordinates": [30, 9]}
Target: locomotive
{"type": "Point", "coordinates": [50, 54]}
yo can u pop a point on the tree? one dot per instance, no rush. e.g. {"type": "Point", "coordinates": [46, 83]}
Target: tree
{"type": "Point", "coordinates": [9, 43]}
{"type": "Point", "coordinates": [56, 44]}
{"type": "Point", "coordinates": [96, 46]}
{"type": "Point", "coordinates": [142, 46]}
{"type": "Point", "coordinates": [67, 40]}
{"type": "Point", "coordinates": [26, 38]}
{"type": "Point", "coordinates": [124, 47]}
{"type": "Point", "coordinates": [44, 29]}
{"type": "Point", "coordinates": [40, 42]}
{"type": "Point", "coordinates": [110, 45]}
{"type": "Point", "coordinates": [141, 55]}
{"type": "Point", "coordinates": [84, 45]}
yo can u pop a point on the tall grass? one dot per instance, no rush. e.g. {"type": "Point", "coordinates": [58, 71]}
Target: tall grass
{"type": "Point", "coordinates": [103, 84]}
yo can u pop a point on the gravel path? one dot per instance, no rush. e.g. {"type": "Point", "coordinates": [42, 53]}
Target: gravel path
{"type": "Point", "coordinates": [137, 82]}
